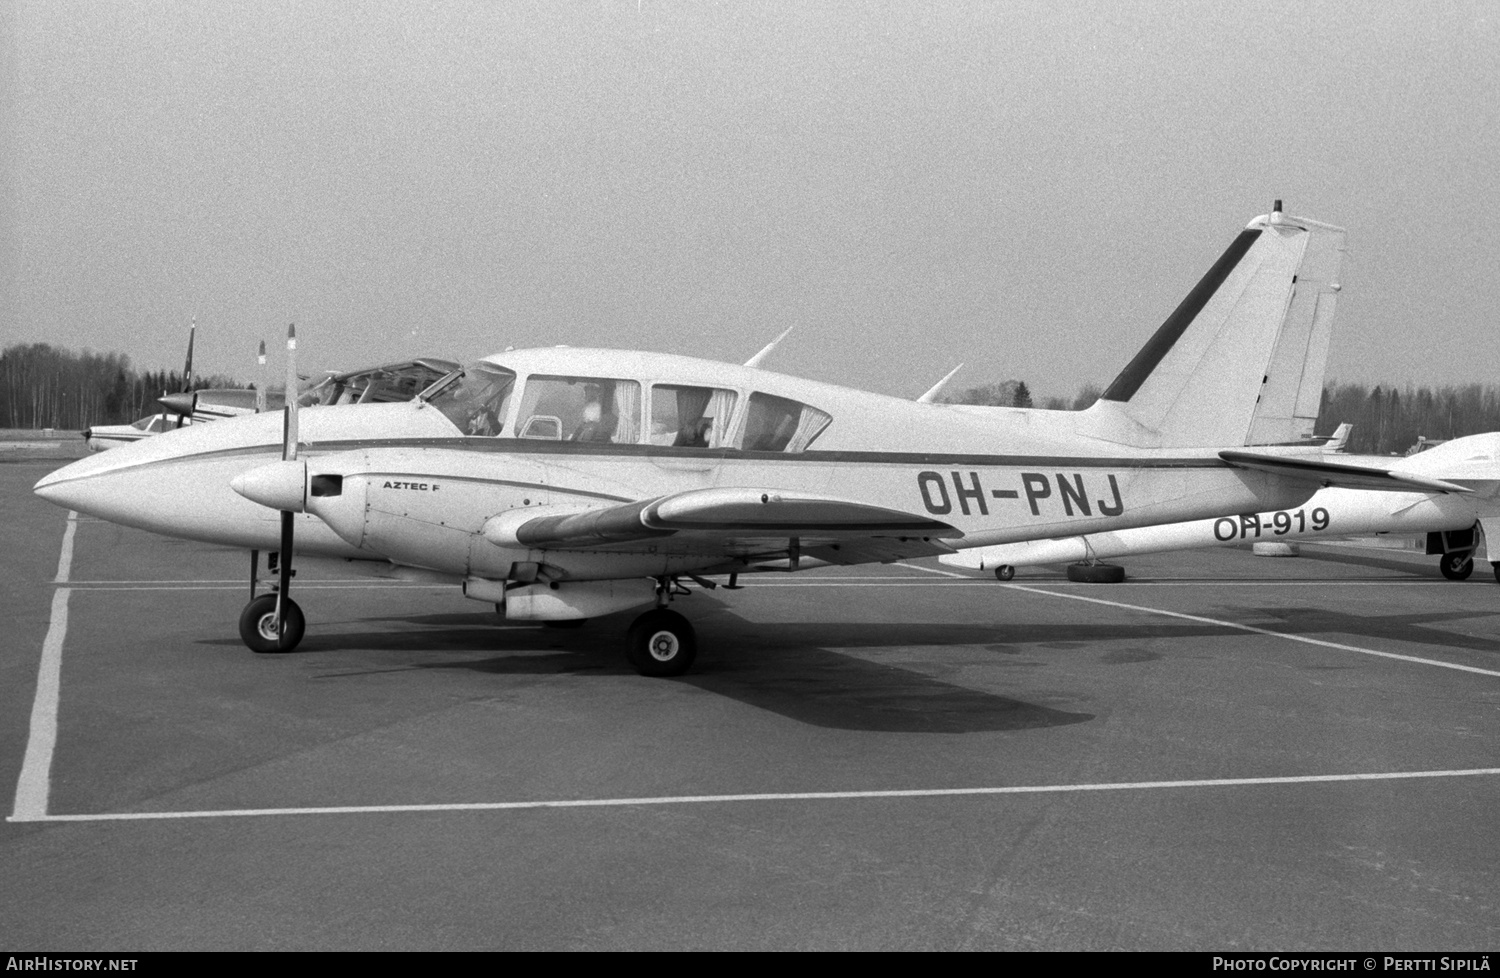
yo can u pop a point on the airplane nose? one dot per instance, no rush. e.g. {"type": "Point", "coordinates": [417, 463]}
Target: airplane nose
{"type": "Point", "coordinates": [53, 487]}
{"type": "Point", "coordinates": [179, 404]}
{"type": "Point", "coordinates": [279, 485]}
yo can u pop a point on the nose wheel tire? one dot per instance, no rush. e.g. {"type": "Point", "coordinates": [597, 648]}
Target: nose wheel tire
{"type": "Point", "coordinates": [258, 625]}
{"type": "Point", "coordinates": [1457, 567]}
{"type": "Point", "coordinates": [661, 643]}
{"type": "Point", "coordinates": [1004, 572]}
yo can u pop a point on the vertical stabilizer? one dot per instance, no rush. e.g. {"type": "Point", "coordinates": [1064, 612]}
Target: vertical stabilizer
{"type": "Point", "coordinates": [1240, 361]}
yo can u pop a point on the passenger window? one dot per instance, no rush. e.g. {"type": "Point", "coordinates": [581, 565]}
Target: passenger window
{"type": "Point", "coordinates": [776, 424]}
{"type": "Point", "coordinates": [599, 410]}
{"type": "Point", "coordinates": [476, 401]}
{"type": "Point", "coordinates": [690, 417]}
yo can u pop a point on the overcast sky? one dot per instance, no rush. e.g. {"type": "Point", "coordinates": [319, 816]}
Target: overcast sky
{"type": "Point", "coordinates": [1028, 188]}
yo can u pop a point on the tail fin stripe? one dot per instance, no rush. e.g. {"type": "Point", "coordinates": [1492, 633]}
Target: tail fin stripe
{"type": "Point", "coordinates": [1136, 372]}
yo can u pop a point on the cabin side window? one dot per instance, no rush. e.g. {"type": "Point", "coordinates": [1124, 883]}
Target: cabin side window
{"type": "Point", "coordinates": [777, 424]}
{"type": "Point", "coordinates": [599, 410]}
{"type": "Point", "coordinates": [476, 401]}
{"type": "Point", "coordinates": [690, 417]}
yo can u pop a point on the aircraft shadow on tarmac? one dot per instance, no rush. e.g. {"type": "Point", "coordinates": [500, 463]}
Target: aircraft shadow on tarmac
{"type": "Point", "coordinates": [1427, 568]}
{"type": "Point", "coordinates": [794, 669]}
{"type": "Point", "coordinates": [1418, 629]}
{"type": "Point", "coordinates": [797, 669]}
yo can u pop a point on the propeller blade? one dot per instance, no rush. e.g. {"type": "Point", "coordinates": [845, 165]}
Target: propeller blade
{"type": "Point", "coordinates": [284, 584]}
{"type": "Point", "coordinates": [187, 375]}
{"type": "Point", "coordinates": [187, 368]}
{"type": "Point", "coordinates": [288, 453]}
{"type": "Point", "coordinates": [289, 444]}
{"type": "Point", "coordinates": [260, 392]}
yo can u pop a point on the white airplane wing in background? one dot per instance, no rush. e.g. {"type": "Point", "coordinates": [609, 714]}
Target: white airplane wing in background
{"type": "Point", "coordinates": [1340, 474]}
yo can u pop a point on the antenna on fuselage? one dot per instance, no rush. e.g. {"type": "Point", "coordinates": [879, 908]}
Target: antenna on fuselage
{"type": "Point", "coordinates": [766, 350]}
{"type": "Point", "coordinates": [935, 389]}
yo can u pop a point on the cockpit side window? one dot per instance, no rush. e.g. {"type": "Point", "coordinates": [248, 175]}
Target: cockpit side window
{"type": "Point", "coordinates": [777, 424]}
{"type": "Point", "coordinates": [477, 400]}
{"type": "Point", "coordinates": [602, 410]}
{"type": "Point", "coordinates": [690, 417]}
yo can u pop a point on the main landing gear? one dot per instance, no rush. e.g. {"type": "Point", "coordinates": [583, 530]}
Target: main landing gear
{"type": "Point", "coordinates": [661, 642]}
{"type": "Point", "coordinates": [1457, 566]}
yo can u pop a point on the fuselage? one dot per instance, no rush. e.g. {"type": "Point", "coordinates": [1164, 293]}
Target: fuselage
{"type": "Point", "coordinates": [564, 428]}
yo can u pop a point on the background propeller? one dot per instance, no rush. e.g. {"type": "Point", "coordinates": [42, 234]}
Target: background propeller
{"type": "Point", "coordinates": [261, 394]}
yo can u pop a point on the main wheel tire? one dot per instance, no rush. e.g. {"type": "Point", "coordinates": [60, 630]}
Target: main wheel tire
{"type": "Point", "coordinates": [661, 643]}
{"type": "Point", "coordinates": [566, 623]}
{"type": "Point", "coordinates": [1495, 566]}
{"type": "Point", "coordinates": [1004, 572]}
{"type": "Point", "coordinates": [258, 625]}
{"type": "Point", "coordinates": [1096, 573]}
{"type": "Point", "coordinates": [1457, 566]}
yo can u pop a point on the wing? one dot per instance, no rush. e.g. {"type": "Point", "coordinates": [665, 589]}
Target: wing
{"type": "Point", "coordinates": [1326, 473]}
{"type": "Point", "coordinates": [741, 522]}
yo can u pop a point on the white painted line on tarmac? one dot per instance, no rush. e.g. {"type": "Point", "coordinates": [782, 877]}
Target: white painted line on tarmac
{"type": "Point", "coordinates": [307, 586]}
{"type": "Point", "coordinates": [936, 570]}
{"type": "Point", "coordinates": [34, 784]}
{"type": "Point", "coordinates": [965, 580]}
{"type": "Point", "coordinates": [1256, 631]}
{"type": "Point", "coordinates": [777, 796]}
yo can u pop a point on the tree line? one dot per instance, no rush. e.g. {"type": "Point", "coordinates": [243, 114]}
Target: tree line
{"type": "Point", "coordinates": [42, 386]}
{"type": "Point", "coordinates": [1387, 420]}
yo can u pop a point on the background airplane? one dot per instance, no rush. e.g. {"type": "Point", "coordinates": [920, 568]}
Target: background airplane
{"type": "Point", "coordinates": [399, 381]}
{"type": "Point", "coordinates": [564, 484]}
{"type": "Point", "coordinates": [1449, 519]}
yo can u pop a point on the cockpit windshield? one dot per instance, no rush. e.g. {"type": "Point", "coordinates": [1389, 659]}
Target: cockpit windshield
{"type": "Point", "coordinates": [477, 399]}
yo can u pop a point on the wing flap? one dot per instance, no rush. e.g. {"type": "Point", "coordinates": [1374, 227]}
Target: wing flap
{"type": "Point", "coordinates": [1326, 473]}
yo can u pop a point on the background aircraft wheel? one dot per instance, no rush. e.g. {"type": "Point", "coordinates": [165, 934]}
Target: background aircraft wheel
{"type": "Point", "coordinates": [1096, 573]}
{"type": "Point", "coordinates": [258, 625]}
{"type": "Point", "coordinates": [1457, 567]}
{"type": "Point", "coordinates": [1004, 572]}
{"type": "Point", "coordinates": [566, 623]}
{"type": "Point", "coordinates": [661, 643]}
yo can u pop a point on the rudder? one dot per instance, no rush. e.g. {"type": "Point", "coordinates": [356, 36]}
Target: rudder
{"type": "Point", "coordinates": [1240, 361]}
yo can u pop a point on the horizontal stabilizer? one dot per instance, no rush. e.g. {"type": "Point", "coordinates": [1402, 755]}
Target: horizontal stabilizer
{"type": "Point", "coordinates": [1326, 473]}
{"type": "Point", "coordinates": [718, 512]}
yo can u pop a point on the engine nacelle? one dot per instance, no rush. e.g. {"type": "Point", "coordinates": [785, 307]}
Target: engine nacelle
{"type": "Point", "coordinates": [562, 600]}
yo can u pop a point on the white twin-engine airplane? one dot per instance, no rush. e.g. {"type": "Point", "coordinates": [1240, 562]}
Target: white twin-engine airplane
{"type": "Point", "coordinates": [564, 484]}
{"type": "Point", "coordinates": [1450, 520]}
